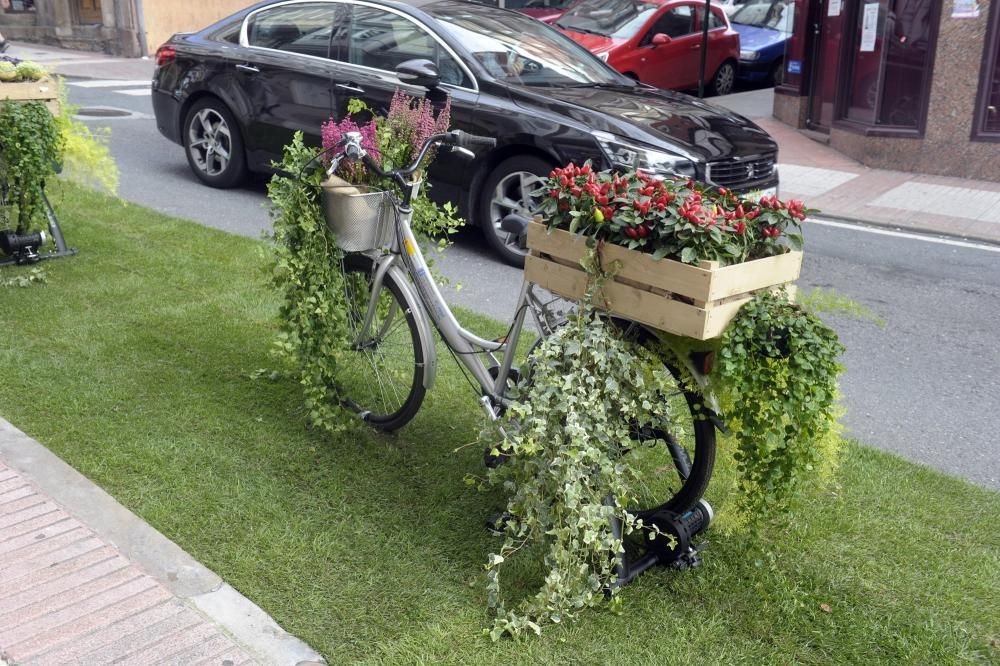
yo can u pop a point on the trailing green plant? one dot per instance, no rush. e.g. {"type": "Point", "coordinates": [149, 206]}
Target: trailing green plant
{"type": "Point", "coordinates": [86, 156]}
{"type": "Point", "coordinates": [306, 270]}
{"type": "Point", "coordinates": [776, 376]}
{"type": "Point", "coordinates": [565, 436]}
{"type": "Point", "coordinates": [307, 266]}
{"type": "Point", "coordinates": [31, 145]}
{"type": "Point", "coordinates": [36, 146]}
{"type": "Point", "coordinates": [26, 279]}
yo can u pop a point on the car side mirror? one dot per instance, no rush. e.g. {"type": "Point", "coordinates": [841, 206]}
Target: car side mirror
{"type": "Point", "coordinates": [659, 39]}
{"type": "Point", "coordinates": [419, 72]}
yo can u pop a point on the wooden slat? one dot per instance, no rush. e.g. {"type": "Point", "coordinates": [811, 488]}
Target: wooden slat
{"type": "Point", "coordinates": [29, 91]}
{"type": "Point", "coordinates": [699, 283]}
{"type": "Point", "coordinates": [666, 274]}
{"type": "Point", "coordinates": [754, 275]}
{"type": "Point", "coordinates": [636, 304]}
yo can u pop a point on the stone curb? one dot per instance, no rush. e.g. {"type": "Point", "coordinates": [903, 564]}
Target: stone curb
{"type": "Point", "coordinates": [189, 580]}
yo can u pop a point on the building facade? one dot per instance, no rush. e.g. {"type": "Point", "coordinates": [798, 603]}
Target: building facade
{"type": "Point", "coordinates": [118, 27]}
{"type": "Point", "coordinates": [911, 85]}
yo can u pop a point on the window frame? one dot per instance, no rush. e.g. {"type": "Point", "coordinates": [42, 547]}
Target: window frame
{"type": "Point", "coordinates": [989, 69]}
{"type": "Point", "coordinates": [350, 4]}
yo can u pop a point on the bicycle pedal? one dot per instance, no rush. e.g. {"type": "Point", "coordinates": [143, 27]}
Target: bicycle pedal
{"type": "Point", "coordinates": [497, 523]}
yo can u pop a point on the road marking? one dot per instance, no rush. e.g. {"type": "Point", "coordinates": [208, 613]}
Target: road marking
{"type": "Point", "coordinates": [141, 92]}
{"type": "Point", "coordinates": [903, 234]}
{"type": "Point", "coordinates": [110, 83]}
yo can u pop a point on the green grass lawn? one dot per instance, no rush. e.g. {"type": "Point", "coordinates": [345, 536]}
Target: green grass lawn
{"type": "Point", "coordinates": [135, 363]}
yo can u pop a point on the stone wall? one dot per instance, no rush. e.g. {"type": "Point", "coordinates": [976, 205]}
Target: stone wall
{"type": "Point", "coordinates": [946, 147]}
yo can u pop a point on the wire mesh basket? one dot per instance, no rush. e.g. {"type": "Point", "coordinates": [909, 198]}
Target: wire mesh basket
{"type": "Point", "coordinates": [360, 217]}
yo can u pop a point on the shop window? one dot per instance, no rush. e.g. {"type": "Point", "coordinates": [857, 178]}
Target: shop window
{"type": "Point", "coordinates": [987, 120]}
{"type": "Point", "coordinates": [14, 6]}
{"type": "Point", "coordinates": [892, 49]}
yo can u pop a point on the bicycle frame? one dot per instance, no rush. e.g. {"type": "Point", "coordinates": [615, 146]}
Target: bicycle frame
{"type": "Point", "coordinates": [469, 348]}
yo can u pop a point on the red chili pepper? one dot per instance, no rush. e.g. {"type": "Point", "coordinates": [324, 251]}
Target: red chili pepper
{"type": "Point", "coordinates": [642, 231]}
{"type": "Point", "coordinates": [631, 232]}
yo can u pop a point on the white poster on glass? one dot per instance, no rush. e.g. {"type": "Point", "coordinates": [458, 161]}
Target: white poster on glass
{"type": "Point", "coordinates": [833, 9]}
{"type": "Point", "coordinates": [965, 9]}
{"type": "Point", "coordinates": [869, 28]}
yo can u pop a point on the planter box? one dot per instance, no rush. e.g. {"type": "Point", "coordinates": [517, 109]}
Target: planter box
{"type": "Point", "coordinates": [45, 90]}
{"type": "Point", "coordinates": [695, 301]}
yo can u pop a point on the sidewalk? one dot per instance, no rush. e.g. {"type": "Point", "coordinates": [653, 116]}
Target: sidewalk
{"type": "Point", "coordinates": [837, 185]}
{"type": "Point", "coordinates": [85, 581]}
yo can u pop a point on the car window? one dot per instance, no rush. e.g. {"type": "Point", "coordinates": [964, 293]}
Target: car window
{"type": "Point", "coordinates": [774, 14]}
{"type": "Point", "coordinates": [675, 22]}
{"type": "Point", "coordinates": [714, 19]}
{"type": "Point", "coordinates": [519, 50]}
{"type": "Point", "coordinates": [383, 40]}
{"type": "Point", "coordinates": [301, 29]}
{"type": "Point", "coordinates": [619, 19]}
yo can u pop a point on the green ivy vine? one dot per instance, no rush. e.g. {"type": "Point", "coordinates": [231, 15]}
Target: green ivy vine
{"type": "Point", "coordinates": [564, 437]}
{"type": "Point", "coordinates": [307, 272]}
{"type": "Point", "coordinates": [776, 374]}
{"type": "Point", "coordinates": [31, 147]}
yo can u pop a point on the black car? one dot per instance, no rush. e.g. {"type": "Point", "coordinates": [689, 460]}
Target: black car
{"type": "Point", "coordinates": [233, 94]}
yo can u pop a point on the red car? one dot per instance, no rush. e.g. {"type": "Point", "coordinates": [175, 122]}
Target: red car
{"type": "Point", "coordinates": [657, 41]}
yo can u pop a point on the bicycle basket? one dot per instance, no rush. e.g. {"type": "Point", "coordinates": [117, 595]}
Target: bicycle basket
{"type": "Point", "coordinates": [360, 217]}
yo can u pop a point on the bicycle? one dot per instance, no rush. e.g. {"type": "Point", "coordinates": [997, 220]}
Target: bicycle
{"type": "Point", "coordinates": [393, 301]}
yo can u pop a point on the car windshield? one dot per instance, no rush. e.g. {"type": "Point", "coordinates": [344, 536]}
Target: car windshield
{"type": "Point", "coordinates": [519, 50]}
{"type": "Point", "coordinates": [618, 19]}
{"type": "Point", "coordinates": [773, 14]}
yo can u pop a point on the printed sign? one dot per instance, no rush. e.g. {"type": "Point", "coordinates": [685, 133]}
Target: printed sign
{"type": "Point", "coordinates": [794, 66]}
{"type": "Point", "coordinates": [965, 9]}
{"type": "Point", "coordinates": [833, 9]}
{"type": "Point", "coordinates": [869, 28]}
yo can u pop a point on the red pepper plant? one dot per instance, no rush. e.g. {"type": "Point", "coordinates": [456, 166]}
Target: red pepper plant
{"type": "Point", "coordinates": [678, 219]}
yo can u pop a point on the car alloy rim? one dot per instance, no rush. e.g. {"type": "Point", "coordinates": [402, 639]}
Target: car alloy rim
{"type": "Point", "coordinates": [724, 79]}
{"type": "Point", "coordinates": [520, 192]}
{"type": "Point", "coordinates": [210, 142]}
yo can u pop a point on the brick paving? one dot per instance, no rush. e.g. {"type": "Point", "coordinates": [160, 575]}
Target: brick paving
{"type": "Point", "coordinates": [68, 596]}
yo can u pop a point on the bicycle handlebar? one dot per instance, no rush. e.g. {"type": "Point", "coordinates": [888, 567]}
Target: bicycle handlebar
{"type": "Point", "coordinates": [351, 143]}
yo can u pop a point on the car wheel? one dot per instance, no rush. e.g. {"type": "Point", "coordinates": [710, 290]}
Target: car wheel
{"type": "Point", "coordinates": [778, 73]}
{"type": "Point", "coordinates": [516, 185]}
{"type": "Point", "coordinates": [722, 82]}
{"type": "Point", "coordinates": [213, 144]}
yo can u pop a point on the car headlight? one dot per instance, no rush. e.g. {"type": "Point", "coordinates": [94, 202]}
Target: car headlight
{"type": "Point", "coordinates": [749, 55]}
{"type": "Point", "coordinates": [654, 162]}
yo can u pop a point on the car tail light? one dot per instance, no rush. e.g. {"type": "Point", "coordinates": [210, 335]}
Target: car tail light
{"type": "Point", "coordinates": [165, 55]}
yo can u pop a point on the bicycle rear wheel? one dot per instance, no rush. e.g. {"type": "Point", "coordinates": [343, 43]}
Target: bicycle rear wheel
{"type": "Point", "coordinates": [673, 455]}
{"type": "Point", "coordinates": [381, 376]}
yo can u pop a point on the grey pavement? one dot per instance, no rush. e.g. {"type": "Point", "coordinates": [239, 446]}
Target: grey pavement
{"type": "Point", "coordinates": [83, 580]}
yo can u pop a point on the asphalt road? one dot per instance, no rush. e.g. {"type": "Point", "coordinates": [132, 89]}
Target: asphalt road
{"type": "Point", "coordinates": [926, 386]}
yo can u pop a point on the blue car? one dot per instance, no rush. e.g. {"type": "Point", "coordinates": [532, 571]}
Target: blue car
{"type": "Point", "coordinates": [764, 27]}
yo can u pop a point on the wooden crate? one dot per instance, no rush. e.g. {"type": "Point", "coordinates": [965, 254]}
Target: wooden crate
{"type": "Point", "coordinates": [695, 301]}
{"type": "Point", "coordinates": [45, 90]}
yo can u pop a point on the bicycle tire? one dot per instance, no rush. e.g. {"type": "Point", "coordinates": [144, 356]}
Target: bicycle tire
{"type": "Point", "coordinates": [358, 390]}
{"type": "Point", "coordinates": [699, 445]}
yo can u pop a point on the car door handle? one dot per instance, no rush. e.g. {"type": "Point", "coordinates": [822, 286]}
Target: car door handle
{"type": "Point", "coordinates": [248, 68]}
{"type": "Point", "coordinates": [351, 87]}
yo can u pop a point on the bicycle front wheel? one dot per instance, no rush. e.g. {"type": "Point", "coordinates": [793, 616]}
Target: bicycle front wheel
{"type": "Point", "coordinates": [381, 375]}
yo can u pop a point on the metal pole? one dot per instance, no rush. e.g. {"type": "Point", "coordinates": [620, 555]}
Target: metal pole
{"type": "Point", "coordinates": [704, 48]}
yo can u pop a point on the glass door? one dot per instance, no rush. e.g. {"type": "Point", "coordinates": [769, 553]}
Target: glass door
{"type": "Point", "coordinates": [827, 30]}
